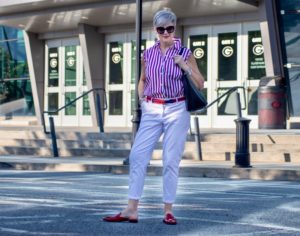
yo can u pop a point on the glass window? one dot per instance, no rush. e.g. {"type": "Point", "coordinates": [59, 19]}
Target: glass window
{"type": "Point", "coordinates": [227, 105]}
{"type": "Point", "coordinates": [53, 102]}
{"type": "Point", "coordinates": [291, 27]}
{"type": "Point", "coordinates": [13, 62]}
{"type": "Point", "coordinates": [115, 102]}
{"type": "Point", "coordinates": [71, 109]}
{"type": "Point", "coordinates": [132, 100]}
{"type": "Point", "coordinates": [53, 59]}
{"type": "Point", "coordinates": [256, 61]}
{"type": "Point", "coordinates": [83, 78]}
{"type": "Point", "coordinates": [86, 111]}
{"type": "Point", "coordinates": [198, 46]}
{"type": "Point", "coordinates": [227, 56]}
{"type": "Point", "coordinates": [252, 100]}
{"type": "Point", "coordinates": [16, 97]}
{"type": "Point", "coordinates": [115, 63]}
{"type": "Point", "coordinates": [290, 4]}
{"type": "Point", "coordinates": [15, 88]}
{"type": "Point", "coordinates": [290, 35]}
{"type": "Point", "coordinates": [204, 93]}
{"type": "Point", "coordinates": [133, 58]}
{"type": "Point", "coordinates": [70, 66]}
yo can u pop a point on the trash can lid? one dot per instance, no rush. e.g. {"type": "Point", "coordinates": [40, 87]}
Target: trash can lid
{"type": "Point", "coordinates": [270, 81]}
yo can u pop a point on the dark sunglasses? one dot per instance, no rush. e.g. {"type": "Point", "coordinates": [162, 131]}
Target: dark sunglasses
{"type": "Point", "coordinates": [169, 29]}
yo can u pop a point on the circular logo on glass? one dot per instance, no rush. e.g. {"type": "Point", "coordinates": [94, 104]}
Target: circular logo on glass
{"type": "Point", "coordinates": [227, 51]}
{"type": "Point", "coordinates": [258, 49]}
{"type": "Point", "coordinates": [116, 58]}
{"type": "Point", "coordinates": [71, 61]}
{"type": "Point", "coordinates": [198, 53]}
{"type": "Point", "coordinates": [53, 62]}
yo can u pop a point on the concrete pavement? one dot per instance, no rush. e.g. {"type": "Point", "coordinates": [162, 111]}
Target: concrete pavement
{"type": "Point", "coordinates": [74, 203]}
{"type": "Point", "coordinates": [217, 169]}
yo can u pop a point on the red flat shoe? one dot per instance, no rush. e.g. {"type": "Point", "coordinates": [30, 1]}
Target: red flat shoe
{"type": "Point", "coordinates": [119, 218]}
{"type": "Point", "coordinates": [169, 219]}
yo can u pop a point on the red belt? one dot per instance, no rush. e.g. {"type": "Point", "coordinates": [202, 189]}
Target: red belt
{"type": "Point", "coordinates": [164, 101]}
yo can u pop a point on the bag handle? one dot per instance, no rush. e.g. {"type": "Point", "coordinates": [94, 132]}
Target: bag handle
{"type": "Point", "coordinates": [181, 51]}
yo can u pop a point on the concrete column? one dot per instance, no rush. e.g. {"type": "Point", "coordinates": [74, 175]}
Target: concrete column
{"type": "Point", "coordinates": [93, 47]}
{"type": "Point", "coordinates": [270, 37]}
{"type": "Point", "coordinates": [36, 65]}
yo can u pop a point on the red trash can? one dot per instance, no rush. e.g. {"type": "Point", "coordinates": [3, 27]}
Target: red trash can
{"type": "Point", "coordinates": [271, 107]}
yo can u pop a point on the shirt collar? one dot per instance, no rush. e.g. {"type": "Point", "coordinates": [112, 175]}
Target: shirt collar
{"type": "Point", "coordinates": [177, 43]}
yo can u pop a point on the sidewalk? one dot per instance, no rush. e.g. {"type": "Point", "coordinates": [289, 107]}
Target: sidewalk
{"type": "Point", "coordinates": [217, 169]}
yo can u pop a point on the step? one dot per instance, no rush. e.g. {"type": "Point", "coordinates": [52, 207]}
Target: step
{"type": "Point", "coordinates": [264, 157]}
{"type": "Point", "coordinates": [276, 157]}
{"type": "Point", "coordinates": [37, 133]}
{"type": "Point", "coordinates": [125, 144]}
{"type": "Point", "coordinates": [47, 151]}
{"type": "Point", "coordinates": [103, 144]}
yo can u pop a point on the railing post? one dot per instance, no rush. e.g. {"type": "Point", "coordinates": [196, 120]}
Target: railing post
{"type": "Point", "coordinates": [44, 123]}
{"type": "Point", "coordinates": [53, 137]}
{"type": "Point", "coordinates": [198, 138]}
{"type": "Point", "coordinates": [238, 103]}
{"type": "Point", "coordinates": [100, 120]}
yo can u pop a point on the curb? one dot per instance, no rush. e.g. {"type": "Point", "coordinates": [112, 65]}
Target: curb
{"type": "Point", "coordinates": [154, 170]}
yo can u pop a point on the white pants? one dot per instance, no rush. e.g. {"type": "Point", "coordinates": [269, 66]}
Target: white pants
{"type": "Point", "coordinates": [174, 121]}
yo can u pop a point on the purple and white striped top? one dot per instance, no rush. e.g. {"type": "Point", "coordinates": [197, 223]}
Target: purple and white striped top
{"type": "Point", "coordinates": [163, 76]}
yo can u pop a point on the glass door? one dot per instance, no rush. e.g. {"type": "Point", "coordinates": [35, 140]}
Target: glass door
{"type": "Point", "coordinates": [197, 39]}
{"type": "Point", "coordinates": [228, 55]}
{"type": "Point", "coordinates": [254, 69]}
{"type": "Point", "coordinates": [227, 73]}
{"type": "Point", "coordinates": [116, 72]}
{"type": "Point", "coordinates": [65, 81]}
{"type": "Point", "coordinates": [121, 74]}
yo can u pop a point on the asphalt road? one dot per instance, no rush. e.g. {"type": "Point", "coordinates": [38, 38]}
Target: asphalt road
{"type": "Point", "coordinates": [54, 203]}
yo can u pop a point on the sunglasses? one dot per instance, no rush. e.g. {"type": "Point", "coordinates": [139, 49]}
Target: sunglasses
{"type": "Point", "coordinates": [169, 29]}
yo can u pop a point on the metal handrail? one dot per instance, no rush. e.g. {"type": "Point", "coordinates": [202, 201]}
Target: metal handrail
{"type": "Point", "coordinates": [51, 121]}
{"type": "Point", "coordinates": [73, 101]}
{"type": "Point", "coordinates": [197, 132]}
{"type": "Point", "coordinates": [231, 90]}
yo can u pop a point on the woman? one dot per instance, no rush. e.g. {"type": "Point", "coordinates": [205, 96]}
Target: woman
{"type": "Point", "coordinates": [163, 112]}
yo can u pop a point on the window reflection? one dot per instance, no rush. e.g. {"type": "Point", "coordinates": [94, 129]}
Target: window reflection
{"type": "Point", "coordinates": [227, 104]}
{"type": "Point", "coordinates": [15, 88]}
{"type": "Point", "coordinates": [252, 101]}
{"type": "Point", "coordinates": [115, 103]}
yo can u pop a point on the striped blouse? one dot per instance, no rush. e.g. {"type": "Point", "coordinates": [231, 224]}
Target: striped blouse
{"type": "Point", "coordinates": [163, 76]}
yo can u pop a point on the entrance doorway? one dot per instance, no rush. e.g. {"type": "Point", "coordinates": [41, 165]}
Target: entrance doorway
{"type": "Point", "coordinates": [228, 56]}
{"type": "Point", "coordinates": [120, 76]}
{"type": "Point", "coordinates": [64, 81]}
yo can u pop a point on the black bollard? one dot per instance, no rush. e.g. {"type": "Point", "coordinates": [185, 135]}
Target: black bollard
{"type": "Point", "coordinates": [242, 155]}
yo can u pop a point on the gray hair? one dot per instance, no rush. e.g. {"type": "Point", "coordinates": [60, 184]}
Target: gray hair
{"type": "Point", "coordinates": [164, 17]}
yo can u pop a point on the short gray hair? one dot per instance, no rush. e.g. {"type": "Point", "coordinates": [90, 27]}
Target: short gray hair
{"type": "Point", "coordinates": [164, 17]}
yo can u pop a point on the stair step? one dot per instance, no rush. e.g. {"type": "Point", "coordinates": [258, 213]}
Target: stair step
{"type": "Point", "coordinates": [44, 151]}
{"type": "Point", "coordinates": [264, 147]}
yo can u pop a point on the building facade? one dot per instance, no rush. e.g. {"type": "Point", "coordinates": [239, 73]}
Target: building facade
{"type": "Point", "coordinates": [52, 52]}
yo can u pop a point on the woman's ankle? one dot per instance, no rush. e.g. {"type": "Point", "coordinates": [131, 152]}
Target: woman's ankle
{"type": "Point", "coordinates": [129, 212]}
{"type": "Point", "coordinates": [168, 208]}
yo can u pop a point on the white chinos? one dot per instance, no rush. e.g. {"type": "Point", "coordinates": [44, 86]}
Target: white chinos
{"type": "Point", "coordinates": [174, 121]}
